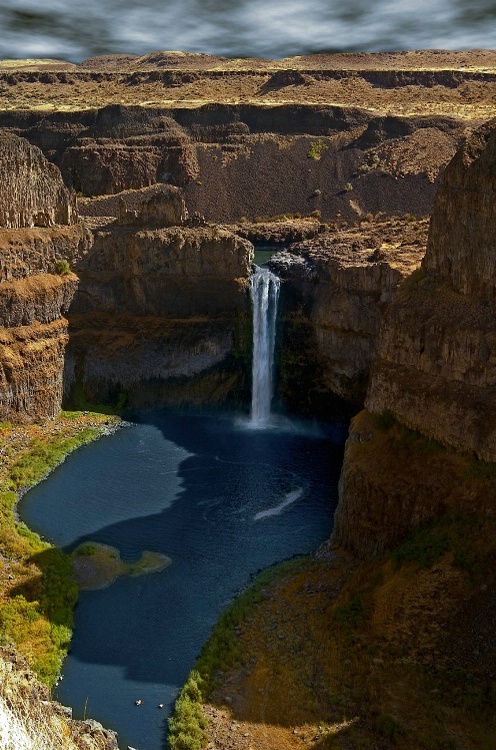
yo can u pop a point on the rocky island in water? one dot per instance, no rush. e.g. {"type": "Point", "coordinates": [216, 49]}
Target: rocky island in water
{"type": "Point", "coordinates": [134, 192]}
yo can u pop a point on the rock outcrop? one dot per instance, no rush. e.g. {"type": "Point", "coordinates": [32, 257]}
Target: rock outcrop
{"type": "Point", "coordinates": [335, 289]}
{"type": "Point", "coordinates": [161, 312]}
{"type": "Point", "coordinates": [36, 285]}
{"type": "Point", "coordinates": [435, 369]}
{"type": "Point", "coordinates": [33, 193]}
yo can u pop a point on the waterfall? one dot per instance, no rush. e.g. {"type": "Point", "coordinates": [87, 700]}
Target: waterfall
{"type": "Point", "coordinates": [264, 294]}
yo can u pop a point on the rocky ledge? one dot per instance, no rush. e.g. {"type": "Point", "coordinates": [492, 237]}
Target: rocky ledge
{"type": "Point", "coordinates": [435, 368]}
{"type": "Point", "coordinates": [335, 289]}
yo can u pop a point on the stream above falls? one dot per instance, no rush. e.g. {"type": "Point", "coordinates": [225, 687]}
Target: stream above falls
{"type": "Point", "coordinates": [222, 501]}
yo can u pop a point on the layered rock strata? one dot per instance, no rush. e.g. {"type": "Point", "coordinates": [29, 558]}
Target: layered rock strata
{"type": "Point", "coordinates": [337, 134]}
{"type": "Point", "coordinates": [435, 369]}
{"type": "Point", "coordinates": [35, 290]}
{"type": "Point", "coordinates": [335, 289]}
{"type": "Point", "coordinates": [160, 315]}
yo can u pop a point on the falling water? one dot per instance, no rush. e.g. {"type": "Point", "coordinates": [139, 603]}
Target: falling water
{"type": "Point", "coordinates": [264, 295]}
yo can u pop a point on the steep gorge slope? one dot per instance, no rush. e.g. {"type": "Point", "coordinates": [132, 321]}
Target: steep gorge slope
{"type": "Point", "coordinates": [338, 134]}
{"type": "Point", "coordinates": [161, 312]}
{"type": "Point", "coordinates": [33, 297]}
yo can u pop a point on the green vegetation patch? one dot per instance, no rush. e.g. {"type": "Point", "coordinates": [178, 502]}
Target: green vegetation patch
{"type": "Point", "coordinates": [316, 149]}
{"type": "Point", "coordinates": [37, 589]}
{"type": "Point", "coordinates": [62, 267]}
{"type": "Point", "coordinates": [458, 535]}
{"type": "Point", "coordinates": [97, 566]}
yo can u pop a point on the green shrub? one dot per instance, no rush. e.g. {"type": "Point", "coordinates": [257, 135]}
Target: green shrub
{"type": "Point", "coordinates": [187, 724]}
{"type": "Point", "coordinates": [316, 149]}
{"type": "Point", "coordinates": [62, 267]}
{"type": "Point", "coordinates": [348, 187]}
{"type": "Point", "coordinates": [86, 550]}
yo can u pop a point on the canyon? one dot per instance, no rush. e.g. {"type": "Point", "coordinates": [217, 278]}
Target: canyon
{"type": "Point", "coordinates": [136, 191]}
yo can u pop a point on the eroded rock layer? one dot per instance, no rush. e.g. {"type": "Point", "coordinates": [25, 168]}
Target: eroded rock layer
{"type": "Point", "coordinates": [335, 289]}
{"type": "Point", "coordinates": [435, 369]}
{"type": "Point", "coordinates": [36, 285]}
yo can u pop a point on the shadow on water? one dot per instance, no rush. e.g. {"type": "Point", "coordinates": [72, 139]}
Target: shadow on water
{"type": "Point", "coordinates": [230, 502]}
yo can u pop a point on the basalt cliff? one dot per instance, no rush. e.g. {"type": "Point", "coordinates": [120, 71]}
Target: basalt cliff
{"type": "Point", "coordinates": [343, 139]}
{"type": "Point", "coordinates": [134, 192]}
{"type": "Point", "coordinates": [433, 367]}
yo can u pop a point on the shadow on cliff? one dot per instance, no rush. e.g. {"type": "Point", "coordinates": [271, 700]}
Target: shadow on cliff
{"type": "Point", "coordinates": [207, 524]}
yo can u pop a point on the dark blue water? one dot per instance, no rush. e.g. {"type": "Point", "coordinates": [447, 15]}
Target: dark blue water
{"type": "Point", "coordinates": [222, 501]}
{"type": "Point", "coordinates": [241, 28]}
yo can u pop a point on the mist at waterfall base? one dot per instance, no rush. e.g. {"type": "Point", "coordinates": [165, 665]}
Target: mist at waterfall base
{"type": "Point", "coordinates": [222, 501]}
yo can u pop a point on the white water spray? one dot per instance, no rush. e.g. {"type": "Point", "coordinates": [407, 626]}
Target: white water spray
{"type": "Point", "coordinates": [265, 295]}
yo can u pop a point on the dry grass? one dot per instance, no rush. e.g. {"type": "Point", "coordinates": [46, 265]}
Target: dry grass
{"type": "Point", "coordinates": [26, 721]}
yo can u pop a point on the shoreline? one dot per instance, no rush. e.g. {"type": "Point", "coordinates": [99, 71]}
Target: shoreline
{"type": "Point", "coordinates": [106, 431]}
{"type": "Point", "coordinates": [37, 587]}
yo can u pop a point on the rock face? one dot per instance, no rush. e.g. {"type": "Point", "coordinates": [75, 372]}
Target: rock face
{"type": "Point", "coordinates": [127, 148]}
{"type": "Point", "coordinates": [44, 721]}
{"type": "Point", "coordinates": [436, 361]}
{"type": "Point", "coordinates": [432, 389]}
{"type": "Point", "coordinates": [33, 297]}
{"type": "Point", "coordinates": [248, 160]}
{"type": "Point", "coordinates": [394, 481]}
{"type": "Point", "coordinates": [335, 288]}
{"type": "Point", "coordinates": [462, 240]}
{"type": "Point", "coordinates": [165, 207]}
{"type": "Point", "coordinates": [161, 314]}
{"type": "Point", "coordinates": [33, 193]}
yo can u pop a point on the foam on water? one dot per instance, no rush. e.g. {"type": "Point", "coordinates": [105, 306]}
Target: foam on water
{"type": "Point", "coordinates": [289, 498]}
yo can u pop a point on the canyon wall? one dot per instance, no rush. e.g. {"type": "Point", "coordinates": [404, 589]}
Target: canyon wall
{"type": "Point", "coordinates": [427, 444]}
{"type": "Point", "coordinates": [155, 307]}
{"type": "Point", "coordinates": [252, 138]}
{"type": "Point", "coordinates": [161, 313]}
{"type": "Point", "coordinates": [35, 290]}
{"type": "Point", "coordinates": [436, 362]}
{"type": "Point", "coordinates": [334, 291]}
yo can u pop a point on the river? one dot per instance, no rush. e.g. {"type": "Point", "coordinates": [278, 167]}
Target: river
{"type": "Point", "coordinates": [222, 500]}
